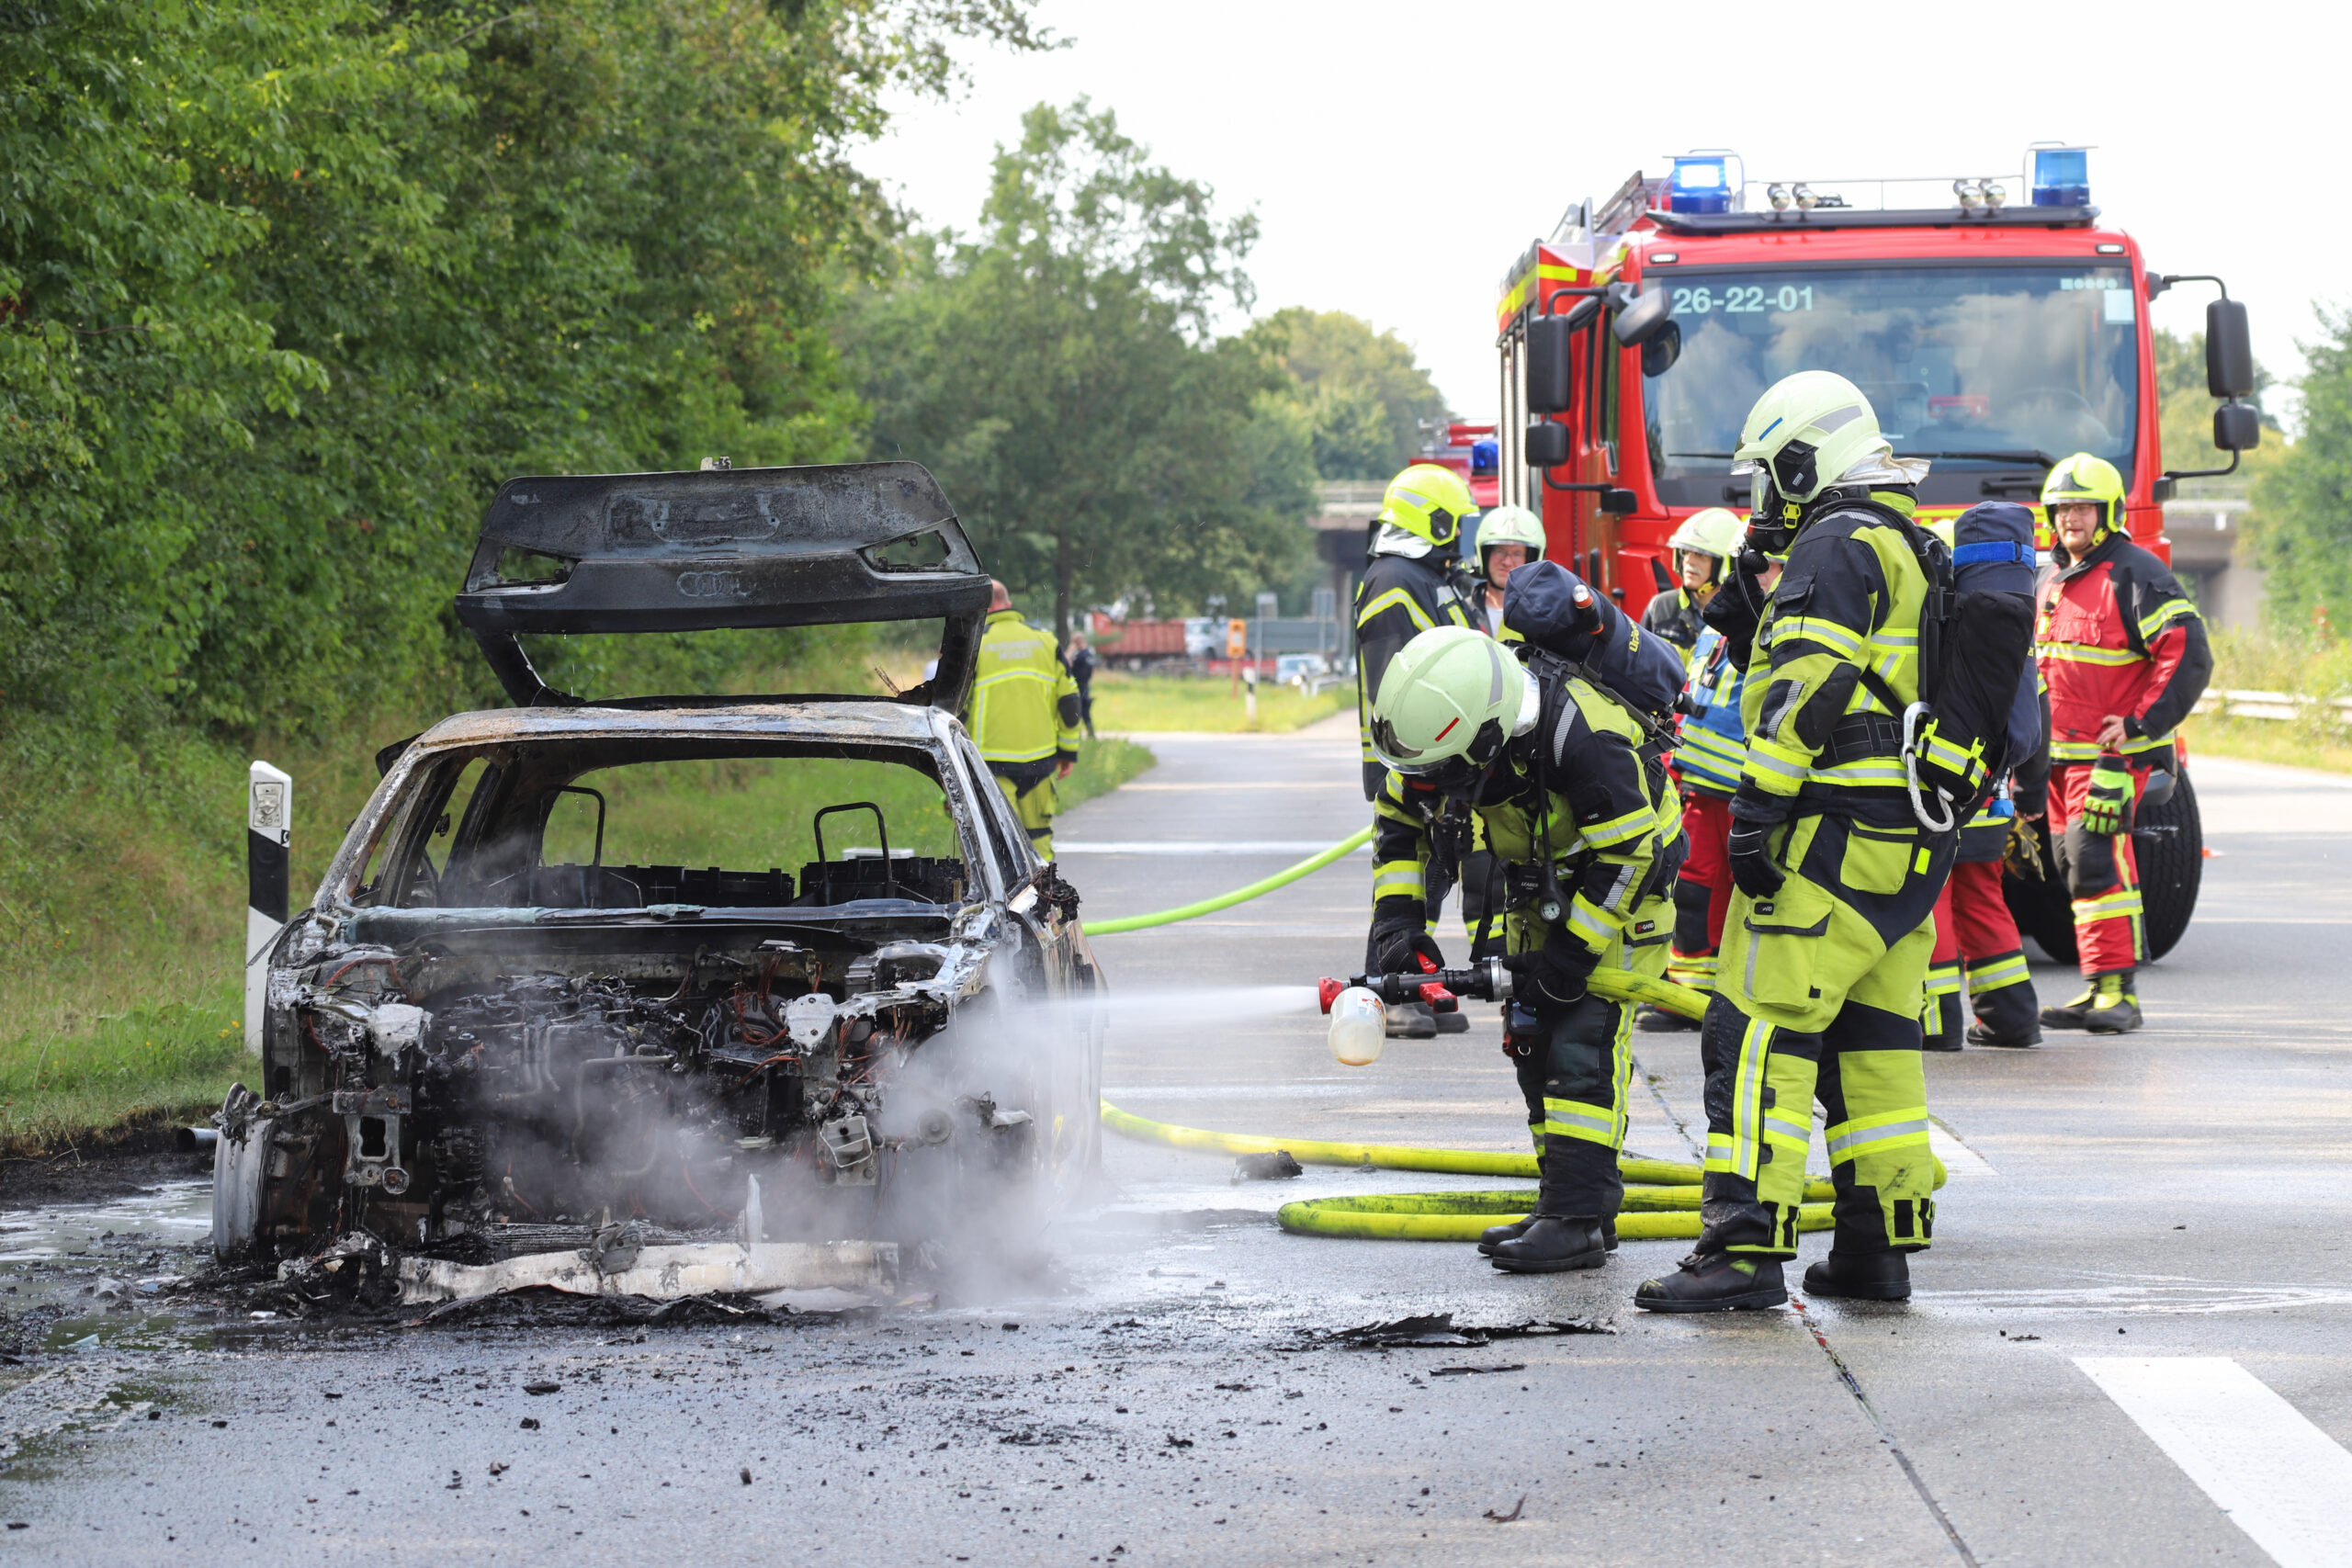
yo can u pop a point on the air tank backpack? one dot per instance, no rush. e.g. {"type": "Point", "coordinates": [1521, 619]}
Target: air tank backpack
{"type": "Point", "coordinates": [1978, 714]}
{"type": "Point", "coordinates": [1552, 609]}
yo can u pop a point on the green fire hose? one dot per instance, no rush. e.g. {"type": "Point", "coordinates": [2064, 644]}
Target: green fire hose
{"type": "Point", "coordinates": [1306, 867]}
{"type": "Point", "coordinates": [1661, 1196]}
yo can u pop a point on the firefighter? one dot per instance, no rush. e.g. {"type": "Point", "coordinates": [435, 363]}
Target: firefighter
{"type": "Point", "coordinates": [1978, 949]}
{"type": "Point", "coordinates": [1704, 548]}
{"type": "Point", "coordinates": [1508, 537]}
{"type": "Point", "coordinates": [1552, 768]}
{"type": "Point", "coordinates": [1025, 715]}
{"type": "Point", "coordinates": [1827, 940]}
{"type": "Point", "coordinates": [1411, 582]}
{"type": "Point", "coordinates": [1709, 748]}
{"type": "Point", "coordinates": [1976, 937]}
{"type": "Point", "coordinates": [2124, 657]}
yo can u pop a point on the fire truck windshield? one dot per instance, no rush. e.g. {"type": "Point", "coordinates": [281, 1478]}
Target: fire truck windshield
{"type": "Point", "coordinates": [1994, 372]}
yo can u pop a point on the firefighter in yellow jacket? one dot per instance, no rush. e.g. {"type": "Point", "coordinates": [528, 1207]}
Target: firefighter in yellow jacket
{"type": "Point", "coordinates": [1825, 947]}
{"type": "Point", "coordinates": [1026, 717]}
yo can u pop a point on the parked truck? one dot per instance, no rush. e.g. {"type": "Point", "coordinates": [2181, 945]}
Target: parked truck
{"type": "Point", "coordinates": [1993, 335]}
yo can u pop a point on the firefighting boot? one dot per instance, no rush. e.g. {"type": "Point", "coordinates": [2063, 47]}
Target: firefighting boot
{"type": "Point", "coordinates": [2006, 1016]}
{"type": "Point", "coordinates": [1715, 1281]}
{"type": "Point", "coordinates": [1862, 1277]}
{"type": "Point", "coordinates": [2115, 1009]}
{"type": "Point", "coordinates": [1494, 1237]}
{"type": "Point", "coordinates": [2070, 1014]}
{"type": "Point", "coordinates": [1551, 1245]}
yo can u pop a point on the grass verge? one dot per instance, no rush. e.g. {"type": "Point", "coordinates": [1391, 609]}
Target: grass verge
{"type": "Point", "coordinates": [1145, 703]}
{"type": "Point", "coordinates": [2258, 741]}
{"type": "Point", "coordinates": [2310, 667]}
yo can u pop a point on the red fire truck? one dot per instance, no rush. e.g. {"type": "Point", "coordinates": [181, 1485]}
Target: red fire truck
{"type": "Point", "coordinates": [1993, 336]}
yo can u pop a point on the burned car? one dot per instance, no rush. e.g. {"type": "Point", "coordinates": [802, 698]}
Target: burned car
{"type": "Point", "coordinates": [593, 988]}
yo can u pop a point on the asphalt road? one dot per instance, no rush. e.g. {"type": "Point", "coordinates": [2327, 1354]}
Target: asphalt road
{"type": "Point", "coordinates": [2133, 1320]}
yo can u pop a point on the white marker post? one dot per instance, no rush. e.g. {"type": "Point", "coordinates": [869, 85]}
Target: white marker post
{"type": "Point", "coordinates": [269, 837]}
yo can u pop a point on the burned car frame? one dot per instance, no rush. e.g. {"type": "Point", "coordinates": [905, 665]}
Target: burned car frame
{"type": "Point", "coordinates": [493, 1053]}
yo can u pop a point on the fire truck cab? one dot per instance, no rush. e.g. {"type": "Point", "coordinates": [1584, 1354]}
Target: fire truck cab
{"type": "Point", "coordinates": [1992, 337]}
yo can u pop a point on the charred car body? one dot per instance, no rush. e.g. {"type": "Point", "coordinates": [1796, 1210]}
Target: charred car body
{"type": "Point", "coordinates": [519, 1017]}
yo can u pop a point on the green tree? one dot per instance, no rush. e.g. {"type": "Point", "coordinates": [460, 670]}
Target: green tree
{"type": "Point", "coordinates": [287, 286]}
{"type": "Point", "coordinates": [1364, 395]}
{"type": "Point", "coordinates": [1059, 372]}
{"type": "Point", "coordinates": [2304, 500]}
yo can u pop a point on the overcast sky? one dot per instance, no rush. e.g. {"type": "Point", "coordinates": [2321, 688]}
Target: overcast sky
{"type": "Point", "coordinates": [1400, 157]}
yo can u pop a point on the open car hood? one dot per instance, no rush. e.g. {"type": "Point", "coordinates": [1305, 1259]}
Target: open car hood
{"type": "Point", "coordinates": [727, 547]}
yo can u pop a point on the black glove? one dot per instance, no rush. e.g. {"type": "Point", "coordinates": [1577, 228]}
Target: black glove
{"type": "Point", "coordinates": [1399, 942]}
{"type": "Point", "coordinates": [1754, 815]}
{"type": "Point", "coordinates": [1551, 979]}
{"type": "Point", "coordinates": [1752, 865]}
{"type": "Point", "coordinates": [1736, 607]}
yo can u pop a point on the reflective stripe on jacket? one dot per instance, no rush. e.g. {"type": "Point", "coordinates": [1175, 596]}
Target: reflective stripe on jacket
{"type": "Point", "coordinates": [2116, 635]}
{"type": "Point", "coordinates": [1025, 700]}
{"type": "Point", "coordinates": [1848, 602]}
{"type": "Point", "coordinates": [1711, 741]}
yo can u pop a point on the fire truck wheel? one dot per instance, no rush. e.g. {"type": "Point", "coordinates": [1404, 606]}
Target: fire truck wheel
{"type": "Point", "coordinates": [2040, 908]}
{"type": "Point", "coordinates": [2168, 842]}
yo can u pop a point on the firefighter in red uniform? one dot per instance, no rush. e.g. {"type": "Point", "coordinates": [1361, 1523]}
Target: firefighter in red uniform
{"type": "Point", "coordinates": [2124, 658]}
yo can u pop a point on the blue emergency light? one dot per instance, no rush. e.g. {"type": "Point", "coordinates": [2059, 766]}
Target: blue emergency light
{"type": "Point", "coordinates": [2062, 176]}
{"type": "Point", "coordinates": [1700, 185]}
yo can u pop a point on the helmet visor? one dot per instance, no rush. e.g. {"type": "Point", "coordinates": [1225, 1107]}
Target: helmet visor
{"type": "Point", "coordinates": [1446, 757]}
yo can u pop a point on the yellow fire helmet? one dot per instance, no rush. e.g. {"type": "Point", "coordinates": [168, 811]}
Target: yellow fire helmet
{"type": "Point", "coordinates": [1509, 525]}
{"type": "Point", "coordinates": [1429, 502]}
{"type": "Point", "coordinates": [1451, 693]}
{"type": "Point", "coordinates": [1714, 532]}
{"type": "Point", "coordinates": [2083, 477]}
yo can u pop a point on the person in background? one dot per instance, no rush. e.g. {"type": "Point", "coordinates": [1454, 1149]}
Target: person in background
{"type": "Point", "coordinates": [1024, 717]}
{"type": "Point", "coordinates": [1702, 549]}
{"type": "Point", "coordinates": [1709, 749]}
{"type": "Point", "coordinates": [2124, 658]}
{"type": "Point", "coordinates": [1081, 669]}
{"type": "Point", "coordinates": [1508, 537]}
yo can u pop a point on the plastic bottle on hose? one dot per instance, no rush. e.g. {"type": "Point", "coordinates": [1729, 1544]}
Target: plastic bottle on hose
{"type": "Point", "coordinates": [1359, 1027]}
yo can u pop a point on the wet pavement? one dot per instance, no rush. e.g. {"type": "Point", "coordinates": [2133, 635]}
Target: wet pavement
{"type": "Point", "coordinates": [1166, 1393]}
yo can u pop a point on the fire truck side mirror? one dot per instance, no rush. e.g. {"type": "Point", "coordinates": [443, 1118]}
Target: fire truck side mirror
{"type": "Point", "coordinates": [1659, 354]}
{"type": "Point", "coordinates": [1550, 371]}
{"type": "Point", "coordinates": [1645, 318]}
{"type": "Point", "coordinates": [2228, 352]}
{"type": "Point", "coordinates": [2237, 427]}
{"type": "Point", "coordinates": [1547, 444]}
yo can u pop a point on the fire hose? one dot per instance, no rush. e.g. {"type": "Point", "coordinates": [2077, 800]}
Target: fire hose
{"type": "Point", "coordinates": [1661, 1200]}
{"type": "Point", "coordinates": [1284, 878]}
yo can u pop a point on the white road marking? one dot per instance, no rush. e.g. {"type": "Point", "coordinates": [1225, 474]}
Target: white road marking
{"type": "Point", "coordinates": [1961, 1161]}
{"type": "Point", "coordinates": [1229, 847]}
{"type": "Point", "coordinates": [2141, 1295]}
{"type": "Point", "coordinates": [2279, 1478]}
